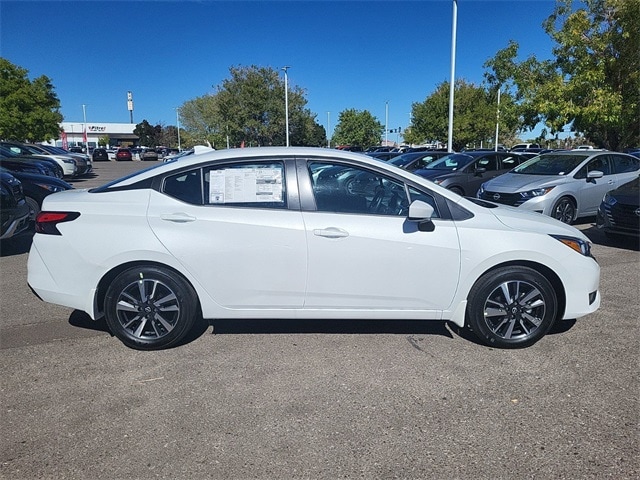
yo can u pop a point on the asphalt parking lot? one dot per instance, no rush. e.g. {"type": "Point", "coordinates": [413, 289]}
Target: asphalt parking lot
{"type": "Point", "coordinates": [318, 400]}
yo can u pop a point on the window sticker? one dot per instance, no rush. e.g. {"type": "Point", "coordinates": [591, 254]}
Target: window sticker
{"type": "Point", "coordinates": [245, 185]}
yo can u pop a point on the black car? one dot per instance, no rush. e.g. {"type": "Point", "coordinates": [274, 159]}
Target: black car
{"type": "Point", "coordinates": [413, 161]}
{"type": "Point", "coordinates": [464, 172]}
{"type": "Point", "coordinates": [14, 211]}
{"type": "Point", "coordinates": [43, 165]}
{"type": "Point", "coordinates": [619, 212]}
{"type": "Point", "coordinates": [100, 155]}
{"type": "Point", "coordinates": [37, 187]}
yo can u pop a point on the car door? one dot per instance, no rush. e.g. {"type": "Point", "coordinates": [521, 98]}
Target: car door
{"type": "Point", "coordinates": [590, 192]}
{"type": "Point", "coordinates": [232, 229]}
{"type": "Point", "coordinates": [474, 178]}
{"type": "Point", "coordinates": [365, 255]}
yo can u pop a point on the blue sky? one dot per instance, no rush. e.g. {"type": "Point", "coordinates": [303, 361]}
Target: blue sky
{"type": "Point", "coordinates": [345, 54]}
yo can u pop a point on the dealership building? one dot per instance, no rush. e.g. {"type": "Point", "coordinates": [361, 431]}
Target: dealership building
{"type": "Point", "coordinates": [115, 134]}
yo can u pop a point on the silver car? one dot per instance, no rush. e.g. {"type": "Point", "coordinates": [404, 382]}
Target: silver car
{"type": "Point", "coordinates": [564, 185]}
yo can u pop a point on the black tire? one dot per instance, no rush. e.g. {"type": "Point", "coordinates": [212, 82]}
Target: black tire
{"type": "Point", "coordinates": [519, 320]}
{"type": "Point", "coordinates": [564, 210]}
{"type": "Point", "coordinates": [150, 307]}
{"type": "Point", "coordinates": [457, 190]}
{"type": "Point", "coordinates": [34, 208]}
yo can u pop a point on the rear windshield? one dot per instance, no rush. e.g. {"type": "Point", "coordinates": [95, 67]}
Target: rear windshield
{"type": "Point", "coordinates": [550, 164]}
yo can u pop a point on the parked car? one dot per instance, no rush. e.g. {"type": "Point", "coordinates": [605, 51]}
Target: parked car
{"type": "Point", "coordinates": [37, 187]}
{"type": "Point", "coordinates": [522, 146]}
{"type": "Point", "coordinates": [68, 164]}
{"type": "Point", "coordinates": [564, 185]}
{"type": "Point", "coordinates": [76, 149]}
{"type": "Point", "coordinates": [124, 154]}
{"type": "Point", "coordinates": [384, 156]}
{"type": "Point", "coordinates": [45, 165]}
{"type": "Point", "coordinates": [149, 154]}
{"type": "Point", "coordinates": [633, 151]}
{"type": "Point", "coordinates": [463, 173]}
{"type": "Point", "coordinates": [619, 211]}
{"type": "Point", "coordinates": [83, 161]}
{"type": "Point", "coordinates": [100, 155]}
{"type": "Point", "coordinates": [24, 165]}
{"type": "Point", "coordinates": [254, 233]}
{"type": "Point", "coordinates": [14, 211]}
{"type": "Point", "coordinates": [416, 160]}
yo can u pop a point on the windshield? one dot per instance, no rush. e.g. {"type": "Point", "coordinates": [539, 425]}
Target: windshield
{"type": "Point", "coordinates": [550, 164]}
{"type": "Point", "coordinates": [451, 162]}
{"type": "Point", "coordinates": [106, 186]}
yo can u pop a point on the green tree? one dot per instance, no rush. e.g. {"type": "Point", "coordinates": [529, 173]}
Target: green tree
{"type": "Point", "coordinates": [29, 110]}
{"type": "Point", "coordinates": [147, 134]}
{"type": "Point", "coordinates": [592, 84]}
{"type": "Point", "coordinates": [103, 141]}
{"type": "Point", "coordinates": [249, 108]}
{"type": "Point", "coordinates": [474, 117]}
{"type": "Point", "coordinates": [358, 128]}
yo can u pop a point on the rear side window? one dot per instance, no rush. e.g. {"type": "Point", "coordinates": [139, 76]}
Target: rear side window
{"type": "Point", "coordinates": [625, 163]}
{"type": "Point", "coordinates": [256, 184]}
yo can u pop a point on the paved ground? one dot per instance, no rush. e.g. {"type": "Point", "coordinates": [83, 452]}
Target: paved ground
{"type": "Point", "coordinates": [307, 400]}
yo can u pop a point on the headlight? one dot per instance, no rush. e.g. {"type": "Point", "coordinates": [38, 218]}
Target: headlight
{"type": "Point", "coordinates": [609, 199]}
{"type": "Point", "coordinates": [51, 188]}
{"type": "Point", "coordinates": [576, 244]}
{"type": "Point", "coordinates": [538, 192]}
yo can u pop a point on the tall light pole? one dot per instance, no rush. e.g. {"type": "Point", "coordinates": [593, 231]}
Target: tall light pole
{"type": "Point", "coordinates": [84, 133]}
{"type": "Point", "coordinates": [497, 122]}
{"type": "Point", "coordinates": [178, 125]}
{"type": "Point", "coordinates": [386, 123]}
{"type": "Point", "coordinates": [328, 129]}
{"type": "Point", "coordinates": [286, 102]}
{"type": "Point", "coordinates": [452, 82]}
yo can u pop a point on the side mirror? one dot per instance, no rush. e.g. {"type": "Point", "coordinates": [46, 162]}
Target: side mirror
{"type": "Point", "coordinates": [480, 171]}
{"type": "Point", "coordinates": [420, 211]}
{"type": "Point", "coordinates": [593, 175]}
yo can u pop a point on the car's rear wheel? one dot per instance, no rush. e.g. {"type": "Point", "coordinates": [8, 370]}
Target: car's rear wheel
{"type": "Point", "coordinates": [34, 208]}
{"type": "Point", "coordinates": [457, 190]}
{"type": "Point", "coordinates": [150, 307]}
{"type": "Point", "coordinates": [511, 307]}
{"type": "Point", "coordinates": [564, 210]}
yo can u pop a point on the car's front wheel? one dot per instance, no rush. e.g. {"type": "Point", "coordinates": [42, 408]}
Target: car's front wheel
{"type": "Point", "coordinates": [564, 210]}
{"type": "Point", "coordinates": [511, 307]}
{"type": "Point", "coordinates": [150, 307]}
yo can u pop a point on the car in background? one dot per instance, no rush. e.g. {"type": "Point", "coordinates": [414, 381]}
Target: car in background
{"type": "Point", "coordinates": [523, 146]}
{"type": "Point", "coordinates": [100, 155]}
{"type": "Point", "coordinates": [76, 149]}
{"type": "Point", "coordinates": [69, 165]}
{"type": "Point", "coordinates": [37, 187]}
{"type": "Point", "coordinates": [633, 151]}
{"type": "Point", "coordinates": [148, 154]}
{"type": "Point", "coordinates": [416, 160]}
{"type": "Point", "coordinates": [619, 211]}
{"type": "Point", "coordinates": [464, 172]}
{"type": "Point", "coordinates": [564, 185]}
{"type": "Point", "coordinates": [46, 165]}
{"type": "Point", "coordinates": [323, 253]}
{"type": "Point", "coordinates": [14, 211]}
{"type": "Point", "coordinates": [384, 156]}
{"type": "Point", "coordinates": [83, 160]}
{"type": "Point", "coordinates": [124, 154]}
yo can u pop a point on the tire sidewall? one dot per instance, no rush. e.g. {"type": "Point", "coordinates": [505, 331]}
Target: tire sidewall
{"type": "Point", "coordinates": [185, 295]}
{"type": "Point", "coordinates": [488, 283]}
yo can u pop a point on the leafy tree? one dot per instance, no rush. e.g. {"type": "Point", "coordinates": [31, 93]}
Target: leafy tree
{"type": "Point", "coordinates": [593, 84]}
{"type": "Point", "coordinates": [358, 128]}
{"type": "Point", "coordinates": [29, 110]}
{"type": "Point", "coordinates": [147, 133]}
{"type": "Point", "coordinates": [474, 117]}
{"type": "Point", "coordinates": [103, 141]}
{"type": "Point", "coordinates": [249, 108]}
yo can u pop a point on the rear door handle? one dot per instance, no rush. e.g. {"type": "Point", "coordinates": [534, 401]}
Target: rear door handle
{"type": "Point", "coordinates": [331, 232]}
{"type": "Point", "coordinates": [177, 217]}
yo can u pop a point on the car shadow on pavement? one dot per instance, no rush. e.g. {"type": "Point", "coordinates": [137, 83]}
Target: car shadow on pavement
{"type": "Point", "coordinates": [17, 245]}
{"type": "Point", "coordinates": [599, 238]}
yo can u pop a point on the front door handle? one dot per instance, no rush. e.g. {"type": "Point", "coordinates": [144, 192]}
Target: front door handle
{"type": "Point", "coordinates": [177, 217]}
{"type": "Point", "coordinates": [331, 232]}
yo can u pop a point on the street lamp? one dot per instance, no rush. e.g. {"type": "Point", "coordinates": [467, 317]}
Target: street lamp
{"type": "Point", "coordinates": [84, 133]}
{"type": "Point", "coordinates": [286, 102]}
{"type": "Point", "coordinates": [328, 129]}
{"type": "Point", "coordinates": [178, 125]}
{"type": "Point", "coordinates": [386, 123]}
{"type": "Point", "coordinates": [453, 73]}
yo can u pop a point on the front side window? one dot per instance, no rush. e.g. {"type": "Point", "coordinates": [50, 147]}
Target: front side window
{"type": "Point", "coordinates": [339, 188]}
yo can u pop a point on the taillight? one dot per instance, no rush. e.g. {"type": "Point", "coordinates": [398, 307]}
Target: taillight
{"type": "Point", "coordinates": [47, 222]}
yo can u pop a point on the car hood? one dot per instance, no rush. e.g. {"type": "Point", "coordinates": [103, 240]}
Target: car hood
{"type": "Point", "coordinates": [524, 220]}
{"type": "Point", "coordinates": [517, 182]}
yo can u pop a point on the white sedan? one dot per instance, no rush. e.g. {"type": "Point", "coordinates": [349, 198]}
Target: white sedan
{"type": "Point", "coordinates": [308, 234]}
